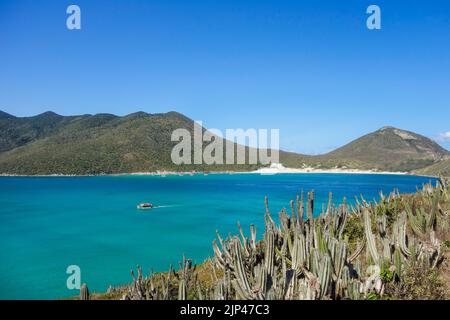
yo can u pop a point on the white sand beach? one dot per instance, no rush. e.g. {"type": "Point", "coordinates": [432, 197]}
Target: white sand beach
{"type": "Point", "coordinates": [277, 168]}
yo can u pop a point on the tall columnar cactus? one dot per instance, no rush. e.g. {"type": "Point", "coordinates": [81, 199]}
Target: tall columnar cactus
{"type": "Point", "coordinates": [370, 238]}
{"type": "Point", "coordinates": [324, 275]}
{"type": "Point", "coordinates": [166, 281]}
{"type": "Point", "coordinates": [184, 278]}
{"type": "Point", "coordinates": [338, 251]}
{"type": "Point", "coordinates": [84, 292]}
{"type": "Point", "coordinates": [269, 259]}
{"type": "Point", "coordinates": [137, 290]}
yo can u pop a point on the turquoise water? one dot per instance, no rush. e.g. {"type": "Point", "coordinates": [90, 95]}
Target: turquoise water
{"type": "Point", "coordinates": [47, 224]}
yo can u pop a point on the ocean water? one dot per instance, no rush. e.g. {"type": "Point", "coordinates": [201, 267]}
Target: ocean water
{"type": "Point", "coordinates": [47, 224]}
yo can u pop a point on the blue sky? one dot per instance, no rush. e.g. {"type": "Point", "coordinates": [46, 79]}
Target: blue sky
{"type": "Point", "coordinates": [310, 68]}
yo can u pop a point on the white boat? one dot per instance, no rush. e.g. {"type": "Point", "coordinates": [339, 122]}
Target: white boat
{"type": "Point", "coordinates": [145, 206]}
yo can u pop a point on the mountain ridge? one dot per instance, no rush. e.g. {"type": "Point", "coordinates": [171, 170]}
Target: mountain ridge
{"type": "Point", "coordinates": [49, 143]}
{"type": "Point", "coordinates": [399, 149]}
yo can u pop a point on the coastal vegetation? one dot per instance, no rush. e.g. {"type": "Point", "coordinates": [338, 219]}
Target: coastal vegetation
{"type": "Point", "coordinates": [49, 144]}
{"type": "Point", "coordinates": [394, 248]}
{"type": "Point", "coordinates": [442, 167]}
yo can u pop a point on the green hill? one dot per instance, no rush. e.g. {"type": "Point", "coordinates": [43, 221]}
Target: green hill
{"type": "Point", "coordinates": [387, 149]}
{"type": "Point", "coordinates": [140, 142]}
{"type": "Point", "coordinates": [441, 168]}
{"type": "Point", "coordinates": [93, 144]}
{"type": "Point", "coordinates": [392, 149]}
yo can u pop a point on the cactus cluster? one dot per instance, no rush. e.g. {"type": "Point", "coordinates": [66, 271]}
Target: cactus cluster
{"type": "Point", "coordinates": [302, 256]}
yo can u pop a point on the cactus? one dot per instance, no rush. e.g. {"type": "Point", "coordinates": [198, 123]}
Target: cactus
{"type": "Point", "coordinates": [399, 234]}
{"type": "Point", "coordinates": [269, 253]}
{"type": "Point", "coordinates": [84, 292]}
{"type": "Point", "coordinates": [324, 275]}
{"type": "Point", "coordinates": [370, 239]}
{"type": "Point", "coordinates": [431, 223]}
{"type": "Point", "coordinates": [357, 252]}
{"type": "Point", "coordinates": [185, 274]}
{"type": "Point", "coordinates": [137, 290]}
{"type": "Point", "coordinates": [398, 262]}
{"type": "Point", "coordinates": [241, 283]}
{"type": "Point", "coordinates": [339, 255]}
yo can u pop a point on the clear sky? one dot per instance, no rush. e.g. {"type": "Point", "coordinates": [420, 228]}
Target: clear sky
{"type": "Point", "coordinates": [310, 68]}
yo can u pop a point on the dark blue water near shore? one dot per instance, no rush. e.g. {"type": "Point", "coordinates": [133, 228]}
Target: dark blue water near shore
{"type": "Point", "coordinates": [47, 224]}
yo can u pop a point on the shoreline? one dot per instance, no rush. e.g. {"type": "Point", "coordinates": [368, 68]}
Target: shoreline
{"type": "Point", "coordinates": [261, 171]}
{"type": "Point", "coordinates": [282, 170]}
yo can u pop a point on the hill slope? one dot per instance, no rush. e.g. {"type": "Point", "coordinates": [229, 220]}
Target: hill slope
{"type": "Point", "coordinates": [441, 168]}
{"type": "Point", "coordinates": [94, 144]}
{"type": "Point", "coordinates": [392, 149]}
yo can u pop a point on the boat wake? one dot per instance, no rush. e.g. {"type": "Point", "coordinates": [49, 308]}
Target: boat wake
{"type": "Point", "coordinates": [150, 206]}
{"type": "Point", "coordinates": [169, 206]}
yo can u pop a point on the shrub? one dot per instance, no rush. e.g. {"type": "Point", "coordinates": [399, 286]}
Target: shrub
{"type": "Point", "coordinates": [418, 282]}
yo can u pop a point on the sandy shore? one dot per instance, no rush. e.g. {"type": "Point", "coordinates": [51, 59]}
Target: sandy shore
{"type": "Point", "coordinates": [276, 170]}
{"type": "Point", "coordinates": [315, 170]}
{"type": "Point", "coordinates": [262, 171]}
